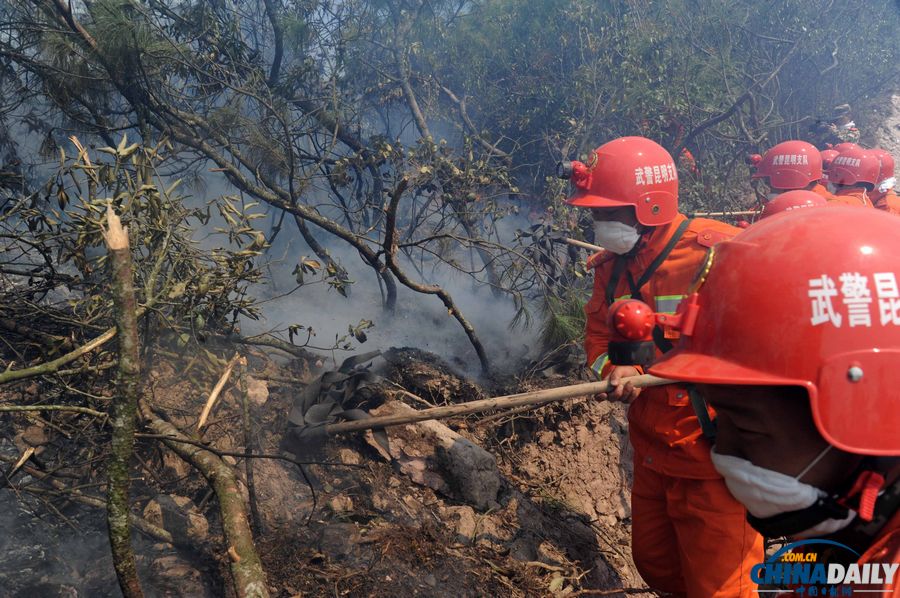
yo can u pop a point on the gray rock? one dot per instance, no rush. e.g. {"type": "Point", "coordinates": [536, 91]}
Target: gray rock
{"type": "Point", "coordinates": [433, 455]}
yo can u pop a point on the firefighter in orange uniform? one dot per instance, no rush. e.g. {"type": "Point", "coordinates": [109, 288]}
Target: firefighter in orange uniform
{"type": "Point", "coordinates": [792, 165]}
{"type": "Point", "coordinates": [689, 536]}
{"type": "Point", "coordinates": [798, 199]}
{"type": "Point", "coordinates": [883, 195]}
{"type": "Point", "coordinates": [845, 147]}
{"type": "Point", "coordinates": [794, 337]}
{"type": "Point", "coordinates": [854, 174]}
{"type": "Point", "coordinates": [828, 156]}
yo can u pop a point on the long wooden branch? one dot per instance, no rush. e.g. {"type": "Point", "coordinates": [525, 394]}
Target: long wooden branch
{"type": "Point", "coordinates": [52, 367]}
{"type": "Point", "coordinates": [71, 408]}
{"type": "Point", "coordinates": [270, 194]}
{"type": "Point", "coordinates": [463, 113]}
{"type": "Point", "coordinates": [246, 568]}
{"type": "Point", "coordinates": [194, 131]}
{"type": "Point", "coordinates": [534, 398]}
{"type": "Point", "coordinates": [413, 103]}
{"type": "Point", "coordinates": [124, 406]}
{"type": "Point", "coordinates": [747, 95]}
{"type": "Point", "coordinates": [390, 253]}
{"type": "Point", "coordinates": [278, 33]}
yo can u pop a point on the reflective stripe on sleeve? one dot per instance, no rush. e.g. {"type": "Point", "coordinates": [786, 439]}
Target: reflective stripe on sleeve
{"type": "Point", "coordinates": [667, 304]}
{"type": "Point", "coordinates": [599, 364]}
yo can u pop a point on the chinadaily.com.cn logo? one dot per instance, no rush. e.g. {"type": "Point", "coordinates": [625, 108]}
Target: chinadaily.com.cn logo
{"type": "Point", "coordinates": [817, 568]}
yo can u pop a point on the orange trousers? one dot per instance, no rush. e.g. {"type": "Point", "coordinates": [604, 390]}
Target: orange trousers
{"type": "Point", "coordinates": [691, 538]}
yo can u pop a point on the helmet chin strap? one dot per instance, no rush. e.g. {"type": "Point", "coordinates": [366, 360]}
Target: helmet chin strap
{"type": "Point", "coordinates": [880, 506]}
{"type": "Point", "coordinates": [813, 463]}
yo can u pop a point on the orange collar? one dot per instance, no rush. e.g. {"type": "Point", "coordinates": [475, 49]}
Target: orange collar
{"type": "Point", "coordinates": [851, 191]}
{"type": "Point", "coordinates": [653, 242]}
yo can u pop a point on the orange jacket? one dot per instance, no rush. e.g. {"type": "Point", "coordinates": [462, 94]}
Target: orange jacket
{"type": "Point", "coordinates": [851, 196]}
{"type": "Point", "coordinates": [663, 427]}
{"type": "Point", "coordinates": [823, 191]}
{"type": "Point", "coordinates": [886, 549]}
{"type": "Point", "coordinates": [889, 201]}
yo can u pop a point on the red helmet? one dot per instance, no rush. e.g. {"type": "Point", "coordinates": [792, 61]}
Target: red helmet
{"type": "Point", "coordinates": [855, 166]}
{"type": "Point", "coordinates": [843, 147]}
{"type": "Point", "coordinates": [629, 171]}
{"type": "Point", "coordinates": [807, 299]}
{"type": "Point", "coordinates": [790, 165]}
{"type": "Point", "coordinates": [886, 161]}
{"type": "Point", "coordinates": [793, 200]}
{"type": "Point", "coordinates": [828, 156]}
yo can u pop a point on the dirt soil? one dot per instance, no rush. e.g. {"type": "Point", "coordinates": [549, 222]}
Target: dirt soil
{"type": "Point", "coordinates": [354, 525]}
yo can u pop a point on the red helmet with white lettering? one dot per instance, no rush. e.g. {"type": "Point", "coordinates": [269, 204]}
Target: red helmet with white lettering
{"type": "Point", "coordinates": [843, 147]}
{"type": "Point", "coordinates": [886, 161]}
{"type": "Point", "coordinates": [855, 166]}
{"type": "Point", "coordinates": [629, 171]}
{"type": "Point", "coordinates": [828, 156]}
{"type": "Point", "coordinates": [790, 165]}
{"type": "Point", "coordinates": [808, 299]}
{"type": "Point", "coordinates": [793, 200]}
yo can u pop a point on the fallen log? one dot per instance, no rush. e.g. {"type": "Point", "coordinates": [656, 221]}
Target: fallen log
{"type": "Point", "coordinates": [247, 573]}
{"type": "Point", "coordinates": [534, 398]}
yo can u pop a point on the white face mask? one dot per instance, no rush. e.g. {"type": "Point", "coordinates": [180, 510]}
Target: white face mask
{"type": "Point", "coordinates": [615, 236]}
{"type": "Point", "coordinates": [886, 185]}
{"type": "Point", "coordinates": [766, 493]}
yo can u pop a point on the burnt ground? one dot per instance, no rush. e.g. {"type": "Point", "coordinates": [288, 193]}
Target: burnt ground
{"type": "Point", "coordinates": [358, 526]}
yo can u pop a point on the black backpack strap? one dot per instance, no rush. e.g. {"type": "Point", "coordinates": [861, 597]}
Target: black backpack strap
{"type": "Point", "coordinates": [622, 261]}
{"type": "Point", "coordinates": [707, 424]}
{"type": "Point", "coordinates": [659, 259]}
{"type": "Point", "coordinates": [614, 278]}
{"type": "Point", "coordinates": [659, 338]}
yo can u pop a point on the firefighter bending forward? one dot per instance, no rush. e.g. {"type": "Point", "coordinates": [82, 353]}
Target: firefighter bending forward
{"type": "Point", "coordinates": [809, 444]}
{"type": "Point", "coordinates": [689, 535]}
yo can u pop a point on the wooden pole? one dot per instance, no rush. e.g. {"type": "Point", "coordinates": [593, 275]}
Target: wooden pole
{"type": "Point", "coordinates": [724, 214]}
{"type": "Point", "coordinates": [582, 244]}
{"type": "Point", "coordinates": [596, 248]}
{"type": "Point", "coordinates": [534, 398]}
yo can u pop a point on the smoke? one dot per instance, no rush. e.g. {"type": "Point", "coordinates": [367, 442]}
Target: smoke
{"type": "Point", "coordinates": [419, 320]}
